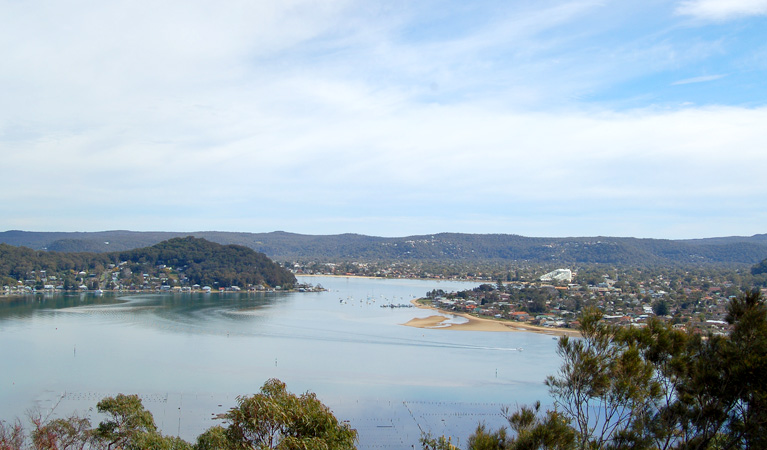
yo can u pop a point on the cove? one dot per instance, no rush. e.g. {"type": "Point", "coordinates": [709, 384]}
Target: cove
{"type": "Point", "coordinates": [190, 355]}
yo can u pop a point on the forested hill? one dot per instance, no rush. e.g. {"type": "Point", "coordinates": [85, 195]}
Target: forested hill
{"type": "Point", "coordinates": [284, 246]}
{"type": "Point", "coordinates": [185, 261]}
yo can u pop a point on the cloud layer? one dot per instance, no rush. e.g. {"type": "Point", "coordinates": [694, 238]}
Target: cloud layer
{"type": "Point", "coordinates": [553, 118]}
{"type": "Point", "coordinates": [720, 10]}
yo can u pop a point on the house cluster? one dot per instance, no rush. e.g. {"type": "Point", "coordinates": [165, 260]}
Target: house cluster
{"type": "Point", "coordinates": [405, 270]}
{"type": "Point", "coordinates": [700, 309]}
{"type": "Point", "coordinates": [493, 304]}
{"type": "Point", "coordinates": [119, 277]}
{"type": "Point", "coordinates": [505, 310]}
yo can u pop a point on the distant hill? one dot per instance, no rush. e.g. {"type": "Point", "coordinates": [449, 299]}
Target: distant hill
{"type": "Point", "coordinates": [282, 246]}
{"type": "Point", "coordinates": [193, 260]}
{"type": "Point", "coordinates": [99, 242]}
{"type": "Point", "coordinates": [208, 263]}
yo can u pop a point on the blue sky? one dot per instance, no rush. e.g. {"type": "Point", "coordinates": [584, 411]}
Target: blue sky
{"type": "Point", "coordinates": [541, 118]}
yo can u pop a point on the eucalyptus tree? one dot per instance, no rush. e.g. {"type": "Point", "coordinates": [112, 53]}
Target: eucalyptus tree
{"type": "Point", "coordinates": [604, 386]}
{"type": "Point", "coordinates": [126, 421]}
{"type": "Point", "coordinates": [277, 419]}
{"type": "Point", "coordinates": [654, 388]}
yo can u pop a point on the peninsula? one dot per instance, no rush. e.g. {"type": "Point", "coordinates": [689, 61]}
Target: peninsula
{"type": "Point", "coordinates": [182, 264]}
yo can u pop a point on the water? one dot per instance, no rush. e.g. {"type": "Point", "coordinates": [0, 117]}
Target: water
{"type": "Point", "coordinates": [190, 355]}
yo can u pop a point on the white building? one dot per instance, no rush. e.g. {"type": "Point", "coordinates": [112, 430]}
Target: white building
{"type": "Point", "coordinates": [559, 275]}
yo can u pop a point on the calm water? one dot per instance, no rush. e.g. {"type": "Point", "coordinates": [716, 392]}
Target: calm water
{"type": "Point", "coordinates": [189, 356]}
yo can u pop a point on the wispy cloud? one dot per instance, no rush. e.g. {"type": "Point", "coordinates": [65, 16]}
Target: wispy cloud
{"type": "Point", "coordinates": [382, 118]}
{"type": "Point", "coordinates": [701, 79]}
{"type": "Point", "coordinates": [720, 10]}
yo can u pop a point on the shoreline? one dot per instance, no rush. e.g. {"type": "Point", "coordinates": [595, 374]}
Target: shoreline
{"type": "Point", "coordinates": [440, 322]}
{"type": "Point", "coordinates": [371, 277]}
{"type": "Point", "coordinates": [368, 277]}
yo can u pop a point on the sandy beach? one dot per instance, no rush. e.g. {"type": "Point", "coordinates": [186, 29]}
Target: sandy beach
{"type": "Point", "coordinates": [481, 324]}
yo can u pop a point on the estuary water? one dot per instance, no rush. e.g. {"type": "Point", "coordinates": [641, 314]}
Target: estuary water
{"type": "Point", "coordinates": [190, 355]}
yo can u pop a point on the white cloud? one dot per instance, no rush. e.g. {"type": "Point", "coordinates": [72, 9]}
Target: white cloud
{"type": "Point", "coordinates": [293, 115]}
{"type": "Point", "coordinates": [720, 10]}
{"type": "Point", "coordinates": [700, 79]}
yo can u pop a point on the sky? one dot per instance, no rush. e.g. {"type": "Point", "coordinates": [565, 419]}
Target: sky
{"type": "Point", "coordinates": [643, 118]}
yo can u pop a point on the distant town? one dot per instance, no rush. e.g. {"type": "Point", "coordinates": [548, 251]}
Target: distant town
{"type": "Point", "coordinates": [691, 296]}
{"type": "Point", "coordinates": [693, 299]}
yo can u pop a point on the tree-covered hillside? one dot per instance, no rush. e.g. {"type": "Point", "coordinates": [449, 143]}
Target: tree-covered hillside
{"type": "Point", "coordinates": [282, 246]}
{"type": "Point", "coordinates": [204, 262]}
{"type": "Point", "coordinates": [760, 268]}
{"type": "Point", "coordinates": [175, 262]}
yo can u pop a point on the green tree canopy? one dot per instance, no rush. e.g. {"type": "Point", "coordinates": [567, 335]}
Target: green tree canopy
{"type": "Point", "coordinates": [651, 388]}
{"type": "Point", "coordinates": [272, 419]}
{"type": "Point", "coordinates": [277, 419]}
{"type": "Point", "coordinates": [127, 420]}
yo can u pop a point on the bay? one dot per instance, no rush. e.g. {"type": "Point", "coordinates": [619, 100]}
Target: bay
{"type": "Point", "coordinates": [190, 355]}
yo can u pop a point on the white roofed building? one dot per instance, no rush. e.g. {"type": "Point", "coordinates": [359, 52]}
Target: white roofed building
{"type": "Point", "coordinates": [558, 275]}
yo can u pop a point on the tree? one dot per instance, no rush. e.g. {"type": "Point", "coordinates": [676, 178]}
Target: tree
{"type": "Point", "coordinates": [662, 388]}
{"type": "Point", "coordinates": [272, 419]}
{"type": "Point", "coordinates": [428, 442]}
{"type": "Point", "coordinates": [759, 268]}
{"type": "Point", "coordinates": [12, 436]}
{"type": "Point", "coordinates": [537, 305]}
{"type": "Point", "coordinates": [660, 308]}
{"type": "Point", "coordinates": [277, 419]}
{"type": "Point", "coordinates": [214, 438]}
{"type": "Point", "coordinates": [156, 441]}
{"type": "Point", "coordinates": [70, 433]}
{"type": "Point", "coordinates": [744, 363]}
{"type": "Point", "coordinates": [127, 420]}
{"type": "Point", "coordinates": [482, 439]}
{"type": "Point", "coordinates": [604, 386]}
{"type": "Point", "coordinates": [529, 431]}
{"type": "Point", "coordinates": [654, 388]}
{"type": "Point", "coordinates": [719, 393]}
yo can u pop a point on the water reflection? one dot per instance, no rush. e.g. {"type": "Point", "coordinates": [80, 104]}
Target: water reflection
{"type": "Point", "coordinates": [22, 306]}
{"type": "Point", "coordinates": [195, 352]}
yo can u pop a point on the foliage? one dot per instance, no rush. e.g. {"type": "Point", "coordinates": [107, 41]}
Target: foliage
{"type": "Point", "coordinates": [156, 441]}
{"type": "Point", "coordinates": [663, 388]}
{"type": "Point", "coordinates": [660, 308]}
{"type": "Point", "coordinates": [531, 431]}
{"type": "Point", "coordinates": [271, 419]}
{"type": "Point", "coordinates": [206, 262]}
{"type": "Point", "coordinates": [428, 442]}
{"type": "Point", "coordinates": [277, 419]}
{"type": "Point", "coordinates": [760, 268]}
{"type": "Point", "coordinates": [202, 262]}
{"type": "Point", "coordinates": [127, 421]}
{"type": "Point", "coordinates": [12, 436]}
{"type": "Point", "coordinates": [71, 433]}
{"type": "Point", "coordinates": [604, 386]}
{"type": "Point", "coordinates": [653, 388]}
{"type": "Point", "coordinates": [214, 438]}
{"type": "Point", "coordinates": [482, 439]}
{"type": "Point", "coordinates": [746, 353]}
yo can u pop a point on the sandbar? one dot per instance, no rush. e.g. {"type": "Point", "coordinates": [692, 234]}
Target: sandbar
{"type": "Point", "coordinates": [474, 323]}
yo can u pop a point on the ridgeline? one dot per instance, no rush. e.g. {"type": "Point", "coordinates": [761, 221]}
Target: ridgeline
{"type": "Point", "coordinates": [282, 246]}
